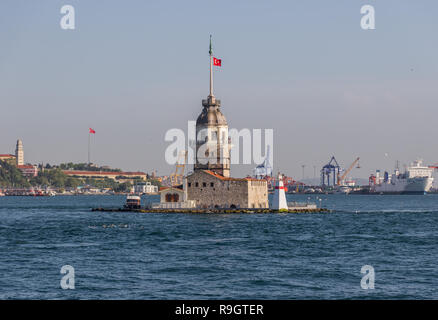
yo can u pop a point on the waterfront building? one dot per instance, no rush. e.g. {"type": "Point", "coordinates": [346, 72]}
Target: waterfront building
{"type": "Point", "coordinates": [145, 187]}
{"type": "Point", "coordinates": [175, 198]}
{"type": "Point", "coordinates": [210, 185]}
{"type": "Point", "coordinates": [212, 190]}
{"type": "Point", "coordinates": [171, 194]}
{"type": "Point", "coordinates": [9, 158]}
{"type": "Point", "coordinates": [28, 170]}
{"type": "Point", "coordinates": [19, 153]}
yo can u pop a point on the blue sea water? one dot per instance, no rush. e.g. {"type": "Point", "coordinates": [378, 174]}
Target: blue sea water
{"type": "Point", "coordinates": [121, 255]}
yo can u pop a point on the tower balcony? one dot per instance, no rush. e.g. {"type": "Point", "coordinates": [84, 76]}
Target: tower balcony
{"type": "Point", "coordinates": [211, 102]}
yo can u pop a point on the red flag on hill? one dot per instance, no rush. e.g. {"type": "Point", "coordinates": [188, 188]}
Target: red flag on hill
{"type": "Point", "coordinates": [217, 62]}
{"type": "Point", "coordinates": [92, 131]}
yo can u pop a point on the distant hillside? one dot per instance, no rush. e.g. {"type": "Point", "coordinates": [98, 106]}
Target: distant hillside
{"type": "Point", "coordinates": [53, 176]}
{"type": "Point", "coordinates": [84, 167]}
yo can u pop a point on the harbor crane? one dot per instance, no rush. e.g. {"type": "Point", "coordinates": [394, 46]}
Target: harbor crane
{"type": "Point", "coordinates": [176, 177]}
{"type": "Point", "coordinates": [264, 169]}
{"type": "Point", "coordinates": [331, 169]}
{"type": "Point", "coordinates": [344, 175]}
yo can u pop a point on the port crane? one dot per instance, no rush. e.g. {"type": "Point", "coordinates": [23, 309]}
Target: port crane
{"type": "Point", "coordinates": [264, 169]}
{"type": "Point", "coordinates": [330, 170]}
{"type": "Point", "coordinates": [344, 175]}
{"type": "Point", "coordinates": [176, 177]}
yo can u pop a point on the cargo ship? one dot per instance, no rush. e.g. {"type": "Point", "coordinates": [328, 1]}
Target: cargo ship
{"type": "Point", "coordinates": [417, 179]}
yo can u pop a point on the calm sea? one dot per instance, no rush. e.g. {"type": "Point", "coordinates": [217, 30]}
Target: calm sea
{"type": "Point", "coordinates": [218, 256]}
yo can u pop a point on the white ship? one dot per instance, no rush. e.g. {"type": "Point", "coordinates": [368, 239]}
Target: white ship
{"type": "Point", "coordinates": [417, 179]}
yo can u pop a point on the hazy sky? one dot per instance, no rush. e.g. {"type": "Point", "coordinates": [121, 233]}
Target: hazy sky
{"type": "Point", "coordinates": [131, 70]}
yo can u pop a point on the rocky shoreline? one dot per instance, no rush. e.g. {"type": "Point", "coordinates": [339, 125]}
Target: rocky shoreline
{"type": "Point", "coordinates": [214, 211]}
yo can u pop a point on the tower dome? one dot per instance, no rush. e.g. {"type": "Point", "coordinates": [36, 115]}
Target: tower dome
{"type": "Point", "coordinates": [211, 114]}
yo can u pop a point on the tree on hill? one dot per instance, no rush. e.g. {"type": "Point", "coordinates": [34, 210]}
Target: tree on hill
{"type": "Point", "coordinates": [53, 177]}
{"type": "Point", "coordinates": [123, 187]}
{"type": "Point", "coordinates": [85, 167]}
{"type": "Point", "coordinates": [10, 176]}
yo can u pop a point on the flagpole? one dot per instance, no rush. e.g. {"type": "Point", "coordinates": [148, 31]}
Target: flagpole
{"type": "Point", "coordinates": [89, 137]}
{"type": "Point", "coordinates": [211, 70]}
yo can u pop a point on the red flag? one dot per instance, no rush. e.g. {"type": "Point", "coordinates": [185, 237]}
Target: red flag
{"type": "Point", "coordinates": [92, 131]}
{"type": "Point", "coordinates": [217, 62]}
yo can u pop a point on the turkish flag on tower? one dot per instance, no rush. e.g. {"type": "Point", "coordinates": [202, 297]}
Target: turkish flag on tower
{"type": "Point", "coordinates": [217, 62]}
{"type": "Point", "coordinates": [92, 131]}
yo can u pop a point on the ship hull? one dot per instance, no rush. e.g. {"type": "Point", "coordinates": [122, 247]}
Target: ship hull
{"type": "Point", "coordinates": [418, 185]}
{"type": "Point", "coordinates": [403, 192]}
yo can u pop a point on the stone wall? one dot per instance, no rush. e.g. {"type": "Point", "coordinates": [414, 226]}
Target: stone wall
{"type": "Point", "coordinates": [210, 191]}
{"type": "Point", "coordinates": [258, 194]}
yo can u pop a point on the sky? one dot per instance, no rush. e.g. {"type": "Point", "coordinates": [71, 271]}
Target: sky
{"type": "Point", "coordinates": [132, 70]}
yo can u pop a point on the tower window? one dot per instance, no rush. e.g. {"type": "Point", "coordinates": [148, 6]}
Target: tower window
{"type": "Point", "coordinates": [202, 135]}
{"type": "Point", "coordinates": [196, 184]}
{"type": "Point", "coordinates": [204, 184]}
{"type": "Point", "coordinates": [189, 184]}
{"type": "Point", "coordinates": [211, 184]}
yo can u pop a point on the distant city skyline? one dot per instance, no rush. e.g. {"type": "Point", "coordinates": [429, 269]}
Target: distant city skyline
{"type": "Point", "coordinates": [303, 68]}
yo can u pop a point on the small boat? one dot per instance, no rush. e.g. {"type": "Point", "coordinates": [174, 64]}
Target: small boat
{"type": "Point", "coordinates": [343, 190]}
{"type": "Point", "coordinates": [132, 202]}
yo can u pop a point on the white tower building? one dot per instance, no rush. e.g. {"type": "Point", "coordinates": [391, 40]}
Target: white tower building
{"type": "Point", "coordinates": [279, 202]}
{"type": "Point", "coordinates": [212, 144]}
{"type": "Point", "coordinates": [19, 154]}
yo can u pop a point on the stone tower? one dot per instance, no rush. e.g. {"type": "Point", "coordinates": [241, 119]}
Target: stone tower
{"type": "Point", "coordinates": [19, 154]}
{"type": "Point", "coordinates": [212, 141]}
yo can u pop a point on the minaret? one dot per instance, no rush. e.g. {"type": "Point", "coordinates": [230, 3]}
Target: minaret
{"type": "Point", "coordinates": [212, 142]}
{"type": "Point", "coordinates": [19, 154]}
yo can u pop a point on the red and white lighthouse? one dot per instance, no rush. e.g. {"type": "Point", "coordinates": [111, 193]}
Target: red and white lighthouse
{"type": "Point", "coordinates": [279, 201]}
